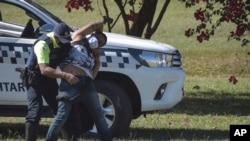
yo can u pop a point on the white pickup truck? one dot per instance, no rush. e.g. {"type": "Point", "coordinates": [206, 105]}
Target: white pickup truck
{"type": "Point", "coordinates": [137, 76]}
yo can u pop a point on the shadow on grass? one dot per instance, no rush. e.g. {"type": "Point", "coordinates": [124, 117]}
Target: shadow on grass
{"type": "Point", "coordinates": [203, 103]}
{"type": "Point", "coordinates": [16, 131]}
{"type": "Point", "coordinates": [178, 134]}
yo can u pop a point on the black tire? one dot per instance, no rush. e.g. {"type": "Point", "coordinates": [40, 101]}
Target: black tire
{"type": "Point", "coordinates": [116, 106]}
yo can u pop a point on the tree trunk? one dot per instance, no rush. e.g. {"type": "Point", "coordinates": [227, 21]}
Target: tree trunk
{"type": "Point", "coordinates": [145, 18]}
{"type": "Point", "coordinates": [145, 15]}
{"type": "Point", "coordinates": [151, 30]}
{"type": "Point", "coordinates": [123, 13]}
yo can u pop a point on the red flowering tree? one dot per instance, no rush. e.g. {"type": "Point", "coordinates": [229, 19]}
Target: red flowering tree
{"type": "Point", "coordinates": [211, 16]}
{"type": "Point", "coordinates": [140, 18]}
{"type": "Point", "coordinates": [215, 12]}
{"type": "Point", "coordinates": [76, 4]}
{"type": "Point", "coordinates": [230, 11]}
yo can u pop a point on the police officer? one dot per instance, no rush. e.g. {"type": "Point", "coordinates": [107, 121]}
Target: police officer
{"type": "Point", "coordinates": [46, 54]}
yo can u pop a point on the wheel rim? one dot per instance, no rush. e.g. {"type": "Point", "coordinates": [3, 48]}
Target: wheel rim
{"type": "Point", "coordinates": [108, 111]}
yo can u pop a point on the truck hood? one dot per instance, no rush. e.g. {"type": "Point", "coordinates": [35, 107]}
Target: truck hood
{"type": "Point", "coordinates": [125, 41]}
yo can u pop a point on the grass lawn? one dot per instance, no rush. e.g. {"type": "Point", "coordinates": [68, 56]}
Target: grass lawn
{"type": "Point", "coordinates": [209, 107]}
{"type": "Point", "coordinates": [211, 103]}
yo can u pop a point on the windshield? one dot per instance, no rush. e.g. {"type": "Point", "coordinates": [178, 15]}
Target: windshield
{"type": "Point", "coordinates": [44, 10]}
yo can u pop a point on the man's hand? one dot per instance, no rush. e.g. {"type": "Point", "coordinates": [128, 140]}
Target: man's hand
{"type": "Point", "coordinates": [87, 29]}
{"type": "Point", "coordinates": [72, 79]}
{"type": "Point", "coordinates": [96, 55]}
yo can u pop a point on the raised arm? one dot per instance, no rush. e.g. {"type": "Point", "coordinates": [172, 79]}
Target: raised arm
{"type": "Point", "coordinates": [87, 29]}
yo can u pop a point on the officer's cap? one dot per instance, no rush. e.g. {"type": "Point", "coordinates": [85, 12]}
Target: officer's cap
{"type": "Point", "coordinates": [62, 31]}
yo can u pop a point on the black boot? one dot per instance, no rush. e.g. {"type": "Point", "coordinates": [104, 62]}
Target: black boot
{"type": "Point", "coordinates": [30, 131]}
{"type": "Point", "coordinates": [68, 136]}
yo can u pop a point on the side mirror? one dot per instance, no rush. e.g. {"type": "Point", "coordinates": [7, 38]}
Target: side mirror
{"type": "Point", "coordinates": [46, 28]}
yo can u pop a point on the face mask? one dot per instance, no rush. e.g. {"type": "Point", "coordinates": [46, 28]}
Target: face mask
{"type": "Point", "coordinates": [93, 42]}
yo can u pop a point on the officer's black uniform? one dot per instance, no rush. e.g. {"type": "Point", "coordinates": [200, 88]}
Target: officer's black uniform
{"type": "Point", "coordinates": [41, 86]}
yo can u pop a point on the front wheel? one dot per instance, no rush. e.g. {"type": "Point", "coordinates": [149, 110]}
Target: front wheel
{"type": "Point", "coordinates": [116, 107]}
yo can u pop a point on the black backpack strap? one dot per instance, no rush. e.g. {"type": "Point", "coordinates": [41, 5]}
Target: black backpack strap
{"type": "Point", "coordinates": [48, 41]}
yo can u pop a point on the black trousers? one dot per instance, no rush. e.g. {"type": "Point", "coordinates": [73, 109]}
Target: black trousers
{"type": "Point", "coordinates": [46, 88]}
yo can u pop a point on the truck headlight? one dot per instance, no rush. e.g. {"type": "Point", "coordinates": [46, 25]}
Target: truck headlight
{"type": "Point", "coordinates": [157, 59]}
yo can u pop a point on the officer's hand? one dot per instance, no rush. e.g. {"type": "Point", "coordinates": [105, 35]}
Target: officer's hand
{"type": "Point", "coordinates": [71, 78]}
